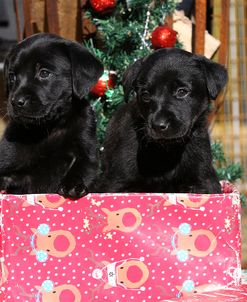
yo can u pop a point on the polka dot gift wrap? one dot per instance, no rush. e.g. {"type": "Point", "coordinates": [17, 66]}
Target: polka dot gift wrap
{"type": "Point", "coordinates": [118, 247]}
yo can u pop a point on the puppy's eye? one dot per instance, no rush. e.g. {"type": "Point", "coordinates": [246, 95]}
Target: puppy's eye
{"type": "Point", "coordinates": [145, 97]}
{"type": "Point", "coordinates": [44, 73]}
{"type": "Point", "coordinates": [12, 78]}
{"type": "Point", "coordinates": [182, 92]}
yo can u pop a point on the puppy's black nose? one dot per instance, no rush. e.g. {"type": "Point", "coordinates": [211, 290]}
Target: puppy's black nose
{"type": "Point", "coordinates": [163, 126]}
{"type": "Point", "coordinates": [160, 125]}
{"type": "Point", "coordinates": [20, 101]}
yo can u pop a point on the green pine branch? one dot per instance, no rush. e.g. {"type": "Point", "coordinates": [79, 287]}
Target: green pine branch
{"type": "Point", "coordinates": [226, 170]}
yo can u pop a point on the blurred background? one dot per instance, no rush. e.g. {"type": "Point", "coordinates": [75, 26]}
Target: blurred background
{"type": "Point", "coordinates": [214, 28]}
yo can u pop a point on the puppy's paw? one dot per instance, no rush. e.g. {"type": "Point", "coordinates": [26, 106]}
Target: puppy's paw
{"type": "Point", "coordinates": [5, 182]}
{"type": "Point", "coordinates": [73, 192]}
{"type": "Point", "coordinates": [14, 184]}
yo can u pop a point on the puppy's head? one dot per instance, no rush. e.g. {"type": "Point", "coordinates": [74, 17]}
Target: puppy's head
{"type": "Point", "coordinates": [173, 89]}
{"type": "Point", "coordinates": [44, 75]}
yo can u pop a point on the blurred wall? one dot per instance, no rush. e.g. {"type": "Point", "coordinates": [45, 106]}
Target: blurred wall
{"type": "Point", "coordinates": [7, 14]}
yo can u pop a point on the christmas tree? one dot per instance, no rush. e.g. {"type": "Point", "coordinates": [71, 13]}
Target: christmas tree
{"type": "Point", "coordinates": [124, 34]}
{"type": "Point", "coordinates": [128, 30]}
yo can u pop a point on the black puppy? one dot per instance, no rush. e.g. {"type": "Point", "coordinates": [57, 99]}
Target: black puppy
{"type": "Point", "coordinates": [49, 144]}
{"type": "Point", "coordinates": [159, 142]}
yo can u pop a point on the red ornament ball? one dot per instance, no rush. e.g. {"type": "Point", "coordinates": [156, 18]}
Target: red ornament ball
{"type": "Point", "coordinates": [105, 82]}
{"type": "Point", "coordinates": [163, 36]}
{"type": "Point", "coordinates": [101, 6]}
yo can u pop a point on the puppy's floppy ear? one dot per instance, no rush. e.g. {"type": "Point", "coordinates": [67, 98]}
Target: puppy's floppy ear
{"type": "Point", "coordinates": [129, 78]}
{"type": "Point", "coordinates": [215, 75]}
{"type": "Point", "coordinates": [86, 69]}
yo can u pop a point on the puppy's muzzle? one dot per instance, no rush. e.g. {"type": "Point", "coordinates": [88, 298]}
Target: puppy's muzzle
{"type": "Point", "coordinates": [20, 101]}
{"type": "Point", "coordinates": [159, 125]}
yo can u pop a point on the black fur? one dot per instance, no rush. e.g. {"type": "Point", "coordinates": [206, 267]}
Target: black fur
{"type": "Point", "coordinates": [159, 141]}
{"type": "Point", "coordinates": [49, 145]}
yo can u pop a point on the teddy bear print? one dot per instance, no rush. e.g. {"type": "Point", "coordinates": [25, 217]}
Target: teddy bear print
{"type": "Point", "coordinates": [130, 274]}
{"type": "Point", "coordinates": [124, 220]}
{"type": "Point", "coordinates": [198, 243]}
{"type": "Point", "coordinates": [184, 199]}
{"type": "Point", "coordinates": [51, 201]}
{"type": "Point", "coordinates": [4, 273]}
{"type": "Point", "coordinates": [44, 242]}
{"type": "Point", "coordinates": [47, 292]}
{"type": "Point", "coordinates": [188, 288]}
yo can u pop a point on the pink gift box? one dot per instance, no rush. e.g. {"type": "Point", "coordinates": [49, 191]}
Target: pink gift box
{"type": "Point", "coordinates": [118, 247]}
